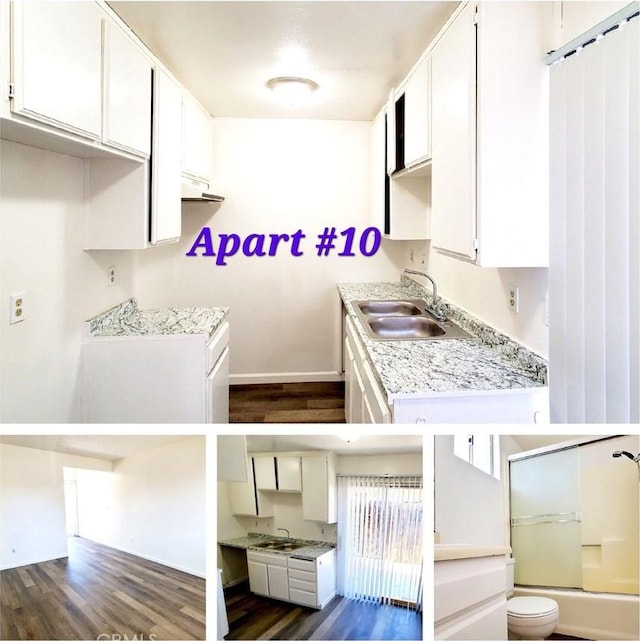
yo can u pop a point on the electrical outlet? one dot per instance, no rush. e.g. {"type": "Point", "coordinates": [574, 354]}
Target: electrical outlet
{"type": "Point", "coordinates": [514, 298]}
{"type": "Point", "coordinates": [16, 308]}
{"type": "Point", "coordinates": [112, 275]}
{"type": "Point", "coordinates": [411, 256]}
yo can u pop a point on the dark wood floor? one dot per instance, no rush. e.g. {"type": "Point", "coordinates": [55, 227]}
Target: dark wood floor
{"type": "Point", "coordinates": [287, 403]}
{"type": "Point", "coordinates": [255, 617]}
{"type": "Point", "coordinates": [99, 590]}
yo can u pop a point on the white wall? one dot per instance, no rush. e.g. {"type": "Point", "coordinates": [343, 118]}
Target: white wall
{"type": "Point", "coordinates": [152, 505]}
{"type": "Point", "coordinates": [32, 509]}
{"type": "Point", "coordinates": [483, 292]}
{"type": "Point", "coordinates": [42, 204]}
{"type": "Point", "coordinates": [469, 504]}
{"type": "Point", "coordinates": [380, 464]}
{"type": "Point", "coordinates": [278, 176]}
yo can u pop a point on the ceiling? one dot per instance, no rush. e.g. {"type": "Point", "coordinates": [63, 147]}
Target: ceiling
{"type": "Point", "coordinates": [362, 445]}
{"type": "Point", "coordinates": [224, 52]}
{"type": "Point", "coordinates": [108, 448]}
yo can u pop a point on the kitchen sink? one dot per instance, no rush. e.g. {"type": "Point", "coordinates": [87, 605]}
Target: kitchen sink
{"type": "Point", "coordinates": [389, 308]}
{"type": "Point", "coordinates": [277, 545]}
{"type": "Point", "coordinates": [405, 327]}
{"type": "Point", "coordinates": [397, 320]}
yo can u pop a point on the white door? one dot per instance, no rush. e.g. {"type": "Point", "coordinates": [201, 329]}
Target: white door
{"type": "Point", "coordinates": [278, 582]}
{"type": "Point", "coordinates": [265, 471]}
{"type": "Point", "coordinates": [314, 488]}
{"type": "Point", "coordinates": [57, 64]}
{"type": "Point", "coordinates": [197, 140]}
{"type": "Point", "coordinates": [166, 206]}
{"type": "Point", "coordinates": [218, 390]}
{"type": "Point", "coordinates": [453, 69]}
{"type": "Point", "coordinates": [417, 116]}
{"type": "Point", "coordinates": [289, 474]}
{"type": "Point", "coordinates": [258, 578]}
{"type": "Point", "coordinates": [127, 93]}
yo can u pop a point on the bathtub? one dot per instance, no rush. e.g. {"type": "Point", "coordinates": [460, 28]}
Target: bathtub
{"type": "Point", "coordinates": [593, 615]}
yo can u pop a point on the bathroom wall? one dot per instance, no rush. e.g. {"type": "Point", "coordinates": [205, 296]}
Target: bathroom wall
{"type": "Point", "coordinates": [469, 504]}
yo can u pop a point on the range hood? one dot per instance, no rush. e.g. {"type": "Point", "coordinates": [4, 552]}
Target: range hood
{"type": "Point", "coordinates": [194, 191]}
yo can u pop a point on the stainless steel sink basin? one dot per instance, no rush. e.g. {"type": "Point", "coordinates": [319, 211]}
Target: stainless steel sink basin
{"type": "Point", "coordinates": [405, 327]}
{"type": "Point", "coordinates": [277, 545]}
{"type": "Point", "coordinates": [397, 320]}
{"type": "Point", "coordinates": [389, 308]}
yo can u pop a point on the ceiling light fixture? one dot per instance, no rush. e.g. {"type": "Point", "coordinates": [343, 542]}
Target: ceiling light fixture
{"type": "Point", "coordinates": [292, 91]}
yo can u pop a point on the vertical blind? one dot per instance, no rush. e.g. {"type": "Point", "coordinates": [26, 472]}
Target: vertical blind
{"type": "Point", "coordinates": [380, 538]}
{"type": "Point", "coordinates": [594, 242]}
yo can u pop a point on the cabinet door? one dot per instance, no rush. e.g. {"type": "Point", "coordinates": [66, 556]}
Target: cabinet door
{"type": "Point", "coordinates": [376, 407]}
{"type": "Point", "coordinates": [417, 115]}
{"type": "Point", "coordinates": [314, 488]}
{"type": "Point", "coordinates": [166, 212]}
{"type": "Point", "coordinates": [278, 582]}
{"type": "Point", "coordinates": [197, 140]}
{"type": "Point", "coordinates": [265, 471]}
{"type": "Point", "coordinates": [453, 64]}
{"type": "Point", "coordinates": [289, 473]}
{"type": "Point", "coordinates": [217, 401]}
{"type": "Point", "coordinates": [126, 93]}
{"type": "Point", "coordinates": [57, 64]}
{"type": "Point", "coordinates": [258, 578]}
{"type": "Point", "coordinates": [242, 495]}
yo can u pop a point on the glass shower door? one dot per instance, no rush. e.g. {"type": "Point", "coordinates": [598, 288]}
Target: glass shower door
{"type": "Point", "coordinates": [545, 519]}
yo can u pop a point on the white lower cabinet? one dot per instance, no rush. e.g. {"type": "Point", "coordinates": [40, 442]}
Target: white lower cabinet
{"type": "Point", "coordinates": [309, 582]}
{"type": "Point", "coordinates": [529, 405]}
{"type": "Point", "coordinates": [313, 583]}
{"type": "Point", "coordinates": [268, 574]}
{"type": "Point", "coordinates": [364, 399]}
{"type": "Point", "coordinates": [176, 378]}
{"type": "Point", "coordinates": [470, 598]}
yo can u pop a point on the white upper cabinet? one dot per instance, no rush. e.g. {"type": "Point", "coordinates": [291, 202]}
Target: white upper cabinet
{"type": "Point", "coordinates": [126, 93]}
{"type": "Point", "coordinates": [490, 135]}
{"type": "Point", "coordinates": [319, 488]}
{"type": "Point", "coordinates": [57, 59]}
{"type": "Point", "coordinates": [197, 141]}
{"type": "Point", "coordinates": [417, 115]}
{"type": "Point", "coordinates": [265, 471]}
{"type": "Point", "coordinates": [453, 220]}
{"type": "Point", "coordinates": [166, 212]}
{"type": "Point", "coordinates": [289, 473]}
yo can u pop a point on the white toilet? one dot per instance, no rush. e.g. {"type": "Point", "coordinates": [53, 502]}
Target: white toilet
{"type": "Point", "coordinates": [529, 617]}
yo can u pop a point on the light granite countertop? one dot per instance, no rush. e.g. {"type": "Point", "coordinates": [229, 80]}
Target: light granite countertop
{"type": "Point", "coordinates": [310, 550]}
{"type": "Point", "coordinates": [486, 362]}
{"type": "Point", "coordinates": [127, 319]}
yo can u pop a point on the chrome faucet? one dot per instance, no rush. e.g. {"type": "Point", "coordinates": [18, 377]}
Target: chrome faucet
{"type": "Point", "coordinates": [432, 309]}
{"type": "Point", "coordinates": [284, 529]}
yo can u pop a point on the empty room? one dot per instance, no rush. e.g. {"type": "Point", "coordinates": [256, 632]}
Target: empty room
{"type": "Point", "coordinates": [102, 537]}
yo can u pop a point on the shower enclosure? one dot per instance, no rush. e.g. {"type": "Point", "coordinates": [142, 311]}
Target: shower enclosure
{"type": "Point", "coordinates": [575, 516]}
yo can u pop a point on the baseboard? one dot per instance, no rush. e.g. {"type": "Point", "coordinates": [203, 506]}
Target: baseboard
{"type": "Point", "coordinates": [173, 566]}
{"type": "Point", "coordinates": [33, 561]}
{"type": "Point", "coordinates": [286, 377]}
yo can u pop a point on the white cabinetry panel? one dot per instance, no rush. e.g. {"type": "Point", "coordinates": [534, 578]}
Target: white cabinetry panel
{"type": "Point", "coordinates": [57, 63]}
{"type": "Point", "coordinates": [126, 94]}
{"type": "Point", "coordinates": [453, 222]}
{"type": "Point", "coordinates": [166, 206]}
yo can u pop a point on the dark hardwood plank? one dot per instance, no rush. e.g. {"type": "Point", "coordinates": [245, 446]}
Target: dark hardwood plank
{"type": "Point", "coordinates": [287, 403]}
{"type": "Point", "coordinates": [254, 617]}
{"type": "Point", "coordinates": [100, 590]}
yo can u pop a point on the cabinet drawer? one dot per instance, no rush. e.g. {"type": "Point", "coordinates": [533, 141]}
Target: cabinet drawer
{"type": "Point", "coordinates": [302, 575]}
{"type": "Point", "coordinates": [217, 344]}
{"type": "Point", "coordinates": [267, 559]}
{"type": "Point", "coordinates": [302, 597]}
{"type": "Point", "coordinates": [354, 338]}
{"type": "Point", "coordinates": [302, 564]}
{"type": "Point", "coordinates": [304, 586]}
